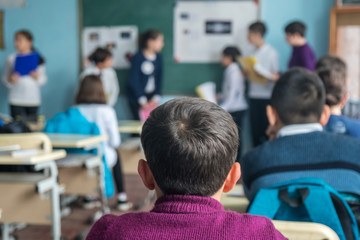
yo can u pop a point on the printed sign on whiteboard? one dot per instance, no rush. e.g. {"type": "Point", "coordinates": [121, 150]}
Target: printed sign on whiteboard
{"type": "Point", "coordinates": [202, 29]}
{"type": "Point", "coordinates": [121, 41]}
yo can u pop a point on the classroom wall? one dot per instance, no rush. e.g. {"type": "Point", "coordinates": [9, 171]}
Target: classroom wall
{"type": "Point", "coordinates": [315, 14]}
{"type": "Point", "coordinates": [54, 25]}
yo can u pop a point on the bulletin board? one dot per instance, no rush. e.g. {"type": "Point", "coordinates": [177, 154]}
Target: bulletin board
{"type": "Point", "coordinates": [120, 40]}
{"type": "Point", "coordinates": [202, 29]}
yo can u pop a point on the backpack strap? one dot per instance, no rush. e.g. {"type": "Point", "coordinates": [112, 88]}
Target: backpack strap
{"type": "Point", "coordinates": [314, 205]}
{"type": "Point", "coordinates": [260, 205]}
{"type": "Point", "coordinates": [344, 215]}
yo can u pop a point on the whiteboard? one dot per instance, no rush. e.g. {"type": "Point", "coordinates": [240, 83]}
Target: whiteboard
{"type": "Point", "coordinates": [120, 40]}
{"type": "Point", "coordinates": [202, 29]}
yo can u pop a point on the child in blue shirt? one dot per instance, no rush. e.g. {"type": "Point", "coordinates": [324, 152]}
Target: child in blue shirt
{"type": "Point", "coordinates": [145, 81]}
{"type": "Point", "coordinates": [332, 71]}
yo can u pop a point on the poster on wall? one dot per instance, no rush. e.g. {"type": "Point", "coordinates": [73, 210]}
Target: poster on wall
{"type": "Point", "coordinates": [200, 36]}
{"type": "Point", "coordinates": [120, 40]}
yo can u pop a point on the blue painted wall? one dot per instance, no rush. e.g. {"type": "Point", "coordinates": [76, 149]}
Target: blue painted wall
{"type": "Point", "coordinates": [54, 25]}
{"type": "Point", "coordinates": [314, 13]}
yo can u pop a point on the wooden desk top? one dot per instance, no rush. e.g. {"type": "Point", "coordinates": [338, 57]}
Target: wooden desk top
{"type": "Point", "coordinates": [130, 126]}
{"type": "Point", "coordinates": [235, 203]}
{"type": "Point", "coordinates": [75, 140]}
{"type": "Point", "coordinates": [33, 159]}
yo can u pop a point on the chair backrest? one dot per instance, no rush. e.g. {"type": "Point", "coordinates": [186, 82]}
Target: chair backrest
{"type": "Point", "coordinates": [27, 141]}
{"type": "Point", "coordinates": [305, 230]}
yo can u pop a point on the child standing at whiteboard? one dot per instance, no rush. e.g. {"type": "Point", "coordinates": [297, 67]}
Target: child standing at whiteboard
{"type": "Point", "coordinates": [145, 81]}
{"type": "Point", "coordinates": [24, 91]}
{"type": "Point", "coordinates": [232, 99]}
{"type": "Point", "coordinates": [101, 63]}
{"type": "Point", "coordinates": [267, 66]}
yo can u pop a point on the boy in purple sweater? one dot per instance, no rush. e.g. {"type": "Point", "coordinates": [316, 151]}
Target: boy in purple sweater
{"type": "Point", "coordinates": [302, 55]}
{"type": "Point", "coordinates": [190, 146]}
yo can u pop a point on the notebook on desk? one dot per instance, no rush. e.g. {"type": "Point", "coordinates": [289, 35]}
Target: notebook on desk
{"type": "Point", "coordinates": [25, 64]}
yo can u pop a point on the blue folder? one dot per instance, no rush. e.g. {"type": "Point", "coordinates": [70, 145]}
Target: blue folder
{"type": "Point", "coordinates": [25, 64]}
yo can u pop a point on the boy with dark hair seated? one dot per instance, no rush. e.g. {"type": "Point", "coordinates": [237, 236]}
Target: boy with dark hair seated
{"type": "Point", "coordinates": [332, 71]}
{"type": "Point", "coordinates": [300, 147]}
{"type": "Point", "coordinates": [190, 146]}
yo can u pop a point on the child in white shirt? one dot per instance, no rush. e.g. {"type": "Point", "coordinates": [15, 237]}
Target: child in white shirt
{"type": "Point", "coordinates": [24, 91]}
{"type": "Point", "coordinates": [232, 98]}
{"type": "Point", "coordinates": [267, 65]}
{"type": "Point", "coordinates": [101, 64]}
{"type": "Point", "coordinates": [91, 102]}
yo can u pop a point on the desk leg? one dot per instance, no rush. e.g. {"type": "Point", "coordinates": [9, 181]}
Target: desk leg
{"type": "Point", "coordinates": [55, 198]}
{"type": "Point", "coordinates": [104, 206]}
{"type": "Point", "coordinates": [5, 231]}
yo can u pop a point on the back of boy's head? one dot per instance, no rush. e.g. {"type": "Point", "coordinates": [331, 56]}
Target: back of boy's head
{"type": "Point", "coordinates": [190, 145]}
{"type": "Point", "coordinates": [100, 55]}
{"type": "Point", "coordinates": [151, 34]}
{"type": "Point", "coordinates": [332, 71]}
{"type": "Point", "coordinates": [298, 97]}
{"type": "Point", "coordinates": [296, 27]}
{"type": "Point", "coordinates": [258, 27]}
{"type": "Point", "coordinates": [232, 52]}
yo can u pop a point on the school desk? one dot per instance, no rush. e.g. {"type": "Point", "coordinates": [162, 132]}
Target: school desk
{"type": "Point", "coordinates": [26, 197]}
{"type": "Point", "coordinates": [130, 126]}
{"type": "Point", "coordinates": [82, 174]}
{"type": "Point", "coordinates": [235, 200]}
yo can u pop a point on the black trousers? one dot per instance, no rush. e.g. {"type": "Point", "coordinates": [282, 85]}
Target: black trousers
{"type": "Point", "coordinates": [258, 120]}
{"type": "Point", "coordinates": [118, 175]}
{"type": "Point", "coordinates": [26, 113]}
{"type": "Point", "coordinates": [238, 117]}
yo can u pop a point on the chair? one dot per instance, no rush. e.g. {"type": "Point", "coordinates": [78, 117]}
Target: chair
{"type": "Point", "coordinates": [27, 141]}
{"type": "Point", "coordinates": [30, 197]}
{"type": "Point", "coordinates": [305, 231]}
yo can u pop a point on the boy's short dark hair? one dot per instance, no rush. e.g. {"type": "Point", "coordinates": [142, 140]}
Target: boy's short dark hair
{"type": "Point", "coordinates": [258, 27]}
{"type": "Point", "coordinates": [190, 145]}
{"type": "Point", "coordinates": [296, 27]}
{"type": "Point", "coordinates": [298, 97]}
{"type": "Point", "coordinates": [332, 71]}
{"type": "Point", "coordinates": [232, 52]}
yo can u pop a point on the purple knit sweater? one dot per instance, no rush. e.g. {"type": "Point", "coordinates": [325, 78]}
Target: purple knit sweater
{"type": "Point", "coordinates": [184, 217]}
{"type": "Point", "coordinates": [303, 56]}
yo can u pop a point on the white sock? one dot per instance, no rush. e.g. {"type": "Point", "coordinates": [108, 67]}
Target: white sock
{"type": "Point", "coordinates": [122, 197]}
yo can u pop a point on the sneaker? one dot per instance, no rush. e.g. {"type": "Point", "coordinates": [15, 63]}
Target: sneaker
{"type": "Point", "coordinates": [90, 203]}
{"type": "Point", "coordinates": [124, 205]}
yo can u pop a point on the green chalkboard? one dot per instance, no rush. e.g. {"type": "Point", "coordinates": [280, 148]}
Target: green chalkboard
{"type": "Point", "coordinates": [178, 77]}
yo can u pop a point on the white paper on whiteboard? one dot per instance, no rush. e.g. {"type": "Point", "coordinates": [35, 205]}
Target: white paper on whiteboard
{"type": "Point", "coordinates": [203, 29]}
{"type": "Point", "coordinates": [121, 40]}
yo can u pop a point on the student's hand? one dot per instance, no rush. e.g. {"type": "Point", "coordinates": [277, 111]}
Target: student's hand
{"type": "Point", "coordinates": [152, 103]}
{"type": "Point", "coordinates": [145, 106]}
{"type": "Point", "coordinates": [14, 78]}
{"type": "Point", "coordinates": [275, 77]}
{"type": "Point", "coordinates": [271, 132]}
{"type": "Point", "coordinates": [34, 74]}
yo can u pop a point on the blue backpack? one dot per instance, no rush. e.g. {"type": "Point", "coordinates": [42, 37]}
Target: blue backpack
{"type": "Point", "coordinates": [72, 121]}
{"type": "Point", "coordinates": [306, 200]}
